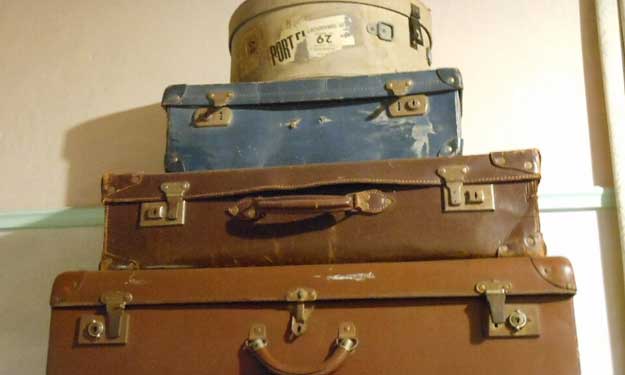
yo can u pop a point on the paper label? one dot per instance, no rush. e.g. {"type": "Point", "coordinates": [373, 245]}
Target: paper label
{"type": "Point", "coordinates": [320, 37]}
{"type": "Point", "coordinates": [328, 35]}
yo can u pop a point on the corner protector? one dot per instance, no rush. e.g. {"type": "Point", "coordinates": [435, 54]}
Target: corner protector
{"type": "Point", "coordinates": [174, 163]}
{"type": "Point", "coordinates": [108, 263]}
{"type": "Point", "coordinates": [451, 77]}
{"type": "Point", "coordinates": [112, 183]}
{"type": "Point", "coordinates": [173, 95]}
{"type": "Point", "coordinates": [526, 161]}
{"type": "Point", "coordinates": [557, 272]}
{"type": "Point", "coordinates": [64, 284]}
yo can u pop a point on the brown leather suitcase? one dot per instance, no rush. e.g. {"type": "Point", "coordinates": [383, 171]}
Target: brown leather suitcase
{"type": "Point", "coordinates": [510, 316]}
{"type": "Point", "coordinates": [395, 210]}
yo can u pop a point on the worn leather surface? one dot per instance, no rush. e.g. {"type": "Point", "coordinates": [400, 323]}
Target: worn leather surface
{"type": "Point", "coordinates": [299, 122]}
{"type": "Point", "coordinates": [422, 317]}
{"type": "Point", "coordinates": [414, 227]}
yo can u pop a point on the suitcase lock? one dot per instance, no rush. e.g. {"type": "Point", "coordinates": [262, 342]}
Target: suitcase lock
{"type": "Point", "coordinates": [406, 105]}
{"type": "Point", "coordinates": [217, 116]}
{"type": "Point", "coordinates": [169, 213]}
{"type": "Point", "coordinates": [111, 329]}
{"type": "Point", "coordinates": [459, 197]}
{"type": "Point", "coordinates": [301, 313]}
{"type": "Point", "coordinates": [507, 320]}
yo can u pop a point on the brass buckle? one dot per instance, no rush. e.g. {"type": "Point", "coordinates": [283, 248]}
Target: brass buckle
{"type": "Point", "coordinates": [412, 105]}
{"type": "Point", "coordinates": [301, 313]}
{"type": "Point", "coordinates": [507, 320]}
{"type": "Point", "coordinates": [459, 197]}
{"type": "Point", "coordinates": [169, 213]}
{"type": "Point", "coordinates": [111, 329]}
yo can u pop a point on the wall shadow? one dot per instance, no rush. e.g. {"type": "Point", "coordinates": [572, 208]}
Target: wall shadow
{"type": "Point", "coordinates": [613, 279]}
{"type": "Point", "coordinates": [595, 99]}
{"type": "Point", "coordinates": [129, 141]}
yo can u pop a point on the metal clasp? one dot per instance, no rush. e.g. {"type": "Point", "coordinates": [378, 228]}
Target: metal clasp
{"type": "Point", "coordinates": [169, 213]}
{"type": "Point", "coordinates": [495, 292]}
{"type": "Point", "coordinates": [399, 87]}
{"type": "Point", "coordinates": [412, 105]}
{"type": "Point", "coordinates": [507, 320]}
{"type": "Point", "coordinates": [110, 329]}
{"type": "Point", "coordinates": [461, 197]}
{"type": "Point", "coordinates": [301, 313]}
{"type": "Point", "coordinates": [218, 115]}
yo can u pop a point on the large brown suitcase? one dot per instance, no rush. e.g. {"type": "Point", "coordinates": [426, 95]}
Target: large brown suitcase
{"type": "Point", "coordinates": [510, 316]}
{"type": "Point", "coordinates": [397, 210]}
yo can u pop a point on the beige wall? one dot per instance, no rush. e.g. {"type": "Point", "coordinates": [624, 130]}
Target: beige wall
{"type": "Point", "coordinates": [82, 81]}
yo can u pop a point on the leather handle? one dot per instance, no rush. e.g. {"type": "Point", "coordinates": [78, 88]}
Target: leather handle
{"type": "Point", "coordinates": [345, 344]}
{"type": "Point", "coordinates": [366, 202]}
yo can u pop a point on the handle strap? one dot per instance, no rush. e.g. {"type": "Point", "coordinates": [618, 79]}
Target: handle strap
{"type": "Point", "coordinates": [346, 343]}
{"type": "Point", "coordinates": [367, 202]}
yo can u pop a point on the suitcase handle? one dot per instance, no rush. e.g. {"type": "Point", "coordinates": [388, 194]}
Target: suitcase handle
{"type": "Point", "coordinates": [370, 202]}
{"type": "Point", "coordinates": [345, 344]}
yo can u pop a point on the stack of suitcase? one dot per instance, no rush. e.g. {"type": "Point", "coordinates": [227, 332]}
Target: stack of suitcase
{"type": "Point", "coordinates": [312, 225]}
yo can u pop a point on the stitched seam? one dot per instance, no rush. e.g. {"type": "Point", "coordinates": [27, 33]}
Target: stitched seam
{"type": "Point", "coordinates": [423, 183]}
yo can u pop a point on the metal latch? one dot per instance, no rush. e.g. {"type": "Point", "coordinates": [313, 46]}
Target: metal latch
{"type": "Point", "coordinates": [382, 30]}
{"type": "Point", "coordinates": [217, 116]}
{"type": "Point", "coordinates": [169, 213]}
{"type": "Point", "coordinates": [507, 320]}
{"type": "Point", "coordinates": [464, 198]}
{"type": "Point", "coordinates": [301, 313]}
{"type": "Point", "coordinates": [412, 105]}
{"type": "Point", "coordinates": [110, 329]}
{"type": "Point", "coordinates": [399, 87]}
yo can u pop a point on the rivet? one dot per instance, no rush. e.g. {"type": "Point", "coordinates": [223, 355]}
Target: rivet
{"type": "Point", "coordinates": [500, 160]}
{"type": "Point", "coordinates": [443, 170]}
{"type": "Point", "coordinates": [530, 241]}
{"type": "Point", "coordinates": [504, 249]}
{"type": "Point", "coordinates": [529, 165]}
{"type": "Point", "coordinates": [135, 179]}
{"type": "Point", "coordinates": [451, 80]}
{"type": "Point", "coordinates": [465, 170]}
{"type": "Point", "coordinates": [301, 294]}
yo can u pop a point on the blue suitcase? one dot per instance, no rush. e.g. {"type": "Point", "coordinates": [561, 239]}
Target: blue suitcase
{"type": "Point", "coordinates": [255, 125]}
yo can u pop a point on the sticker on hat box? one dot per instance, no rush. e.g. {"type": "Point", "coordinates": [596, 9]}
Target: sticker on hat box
{"type": "Point", "coordinates": [320, 37]}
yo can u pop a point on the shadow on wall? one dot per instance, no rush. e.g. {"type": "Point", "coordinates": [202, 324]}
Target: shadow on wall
{"type": "Point", "coordinates": [595, 100]}
{"type": "Point", "coordinates": [130, 141]}
{"type": "Point", "coordinates": [613, 280]}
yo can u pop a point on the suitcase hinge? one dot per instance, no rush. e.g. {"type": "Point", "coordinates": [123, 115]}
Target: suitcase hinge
{"type": "Point", "coordinates": [507, 320]}
{"type": "Point", "coordinates": [459, 197]}
{"type": "Point", "coordinates": [169, 213]}
{"type": "Point", "coordinates": [301, 313]}
{"type": "Point", "coordinates": [218, 115]}
{"type": "Point", "coordinates": [108, 330]}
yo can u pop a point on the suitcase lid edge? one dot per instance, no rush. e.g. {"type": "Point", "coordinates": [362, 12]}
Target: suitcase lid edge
{"type": "Point", "coordinates": [497, 167]}
{"type": "Point", "coordinates": [352, 282]}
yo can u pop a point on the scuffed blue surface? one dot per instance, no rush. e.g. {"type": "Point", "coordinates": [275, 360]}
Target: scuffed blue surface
{"type": "Point", "coordinates": [271, 128]}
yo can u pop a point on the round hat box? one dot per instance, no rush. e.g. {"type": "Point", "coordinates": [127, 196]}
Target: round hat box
{"type": "Point", "coordinates": [273, 40]}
